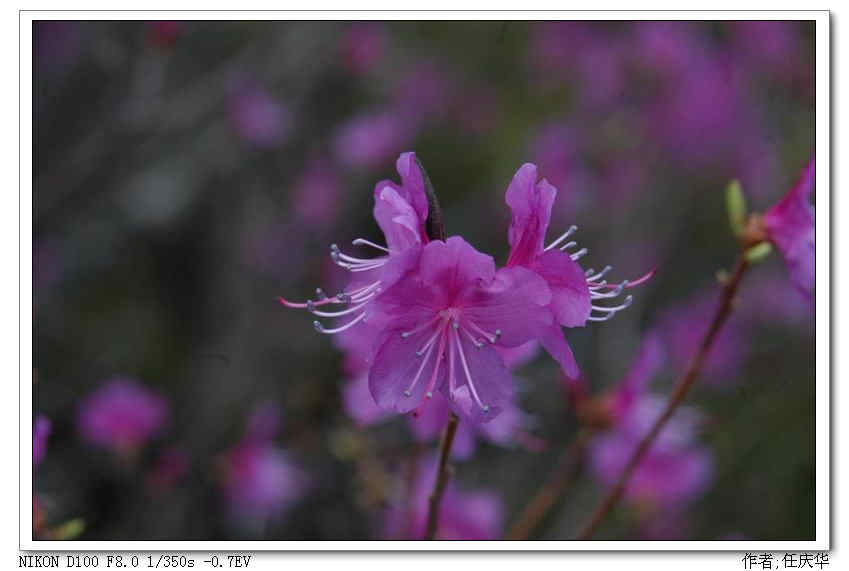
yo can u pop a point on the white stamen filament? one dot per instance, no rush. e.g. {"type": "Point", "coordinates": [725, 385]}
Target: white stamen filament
{"type": "Point", "coordinates": [612, 293]}
{"type": "Point", "coordinates": [491, 337]}
{"type": "Point", "coordinates": [568, 245]}
{"type": "Point", "coordinates": [614, 309]}
{"type": "Point", "coordinates": [405, 334]}
{"type": "Point", "coordinates": [469, 380]}
{"type": "Point", "coordinates": [321, 329]}
{"type": "Point", "coordinates": [337, 313]}
{"type": "Point", "coordinates": [579, 254]}
{"type": "Point", "coordinates": [598, 276]}
{"type": "Point", "coordinates": [409, 391]}
{"type": "Point", "coordinates": [364, 242]}
{"type": "Point", "coordinates": [572, 229]}
{"type": "Point", "coordinates": [429, 342]}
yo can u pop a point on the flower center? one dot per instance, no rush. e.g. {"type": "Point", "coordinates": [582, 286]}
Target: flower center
{"type": "Point", "coordinates": [444, 339]}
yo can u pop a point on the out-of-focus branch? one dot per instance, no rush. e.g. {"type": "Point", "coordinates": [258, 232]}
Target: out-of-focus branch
{"type": "Point", "coordinates": [683, 387]}
{"type": "Point", "coordinates": [443, 474]}
{"type": "Point", "coordinates": [551, 490]}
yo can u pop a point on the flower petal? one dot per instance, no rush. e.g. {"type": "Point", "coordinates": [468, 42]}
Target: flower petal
{"type": "Point", "coordinates": [412, 182]}
{"type": "Point", "coordinates": [570, 295]}
{"type": "Point", "coordinates": [454, 264]}
{"type": "Point", "coordinates": [790, 225]}
{"type": "Point", "coordinates": [399, 377]}
{"type": "Point", "coordinates": [491, 383]}
{"type": "Point", "coordinates": [554, 341]}
{"type": "Point", "coordinates": [397, 218]}
{"type": "Point", "coordinates": [513, 303]}
{"type": "Point", "coordinates": [531, 203]}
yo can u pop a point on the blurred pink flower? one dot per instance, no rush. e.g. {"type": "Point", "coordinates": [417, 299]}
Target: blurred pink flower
{"type": "Point", "coordinates": [370, 139]}
{"type": "Point", "coordinates": [774, 47]}
{"type": "Point", "coordinates": [681, 329]}
{"type": "Point", "coordinates": [316, 195]}
{"type": "Point", "coordinates": [462, 516]}
{"type": "Point", "coordinates": [362, 46]}
{"type": "Point", "coordinates": [40, 433]}
{"type": "Point", "coordinates": [121, 415]}
{"type": "Point", "coordinates": [675, 470]}
{"type": "Point", "coordinates": [258, 118]}
{"type": "Point", "coordinates": [260, 480]}
{"type": "Point", "coordinates": [668, 48]}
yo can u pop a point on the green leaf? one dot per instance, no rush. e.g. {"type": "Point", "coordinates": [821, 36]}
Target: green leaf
{"type": "Point", "coordinates": [735, 203]}
{"type": "Point", "coordinates": [758, 252]}
{"type": "Point", "coordinates": [70, 529]}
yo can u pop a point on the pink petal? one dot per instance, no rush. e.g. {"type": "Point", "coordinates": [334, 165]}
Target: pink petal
{"type": "Point", "coordinates": [790, 225]}
{"type": "Point", "coordinates": [570, 295]}
{"type": "Point", "coordinates": [531, 204]}
{"type": "Point", "coordinates": [514, 303]}
{"type": "Point", "coordinates": [454, 264]}
{"type": "Point", "coordinates": [397, 218]}
{"type": "Point", "coordinates": [397, 369]}
{"type": "Point", "coordinates": [413, 182]}
{"type": "Point", "coordinates": [554, 341]}
{"type": "Point", "coordinates": [492, 382]}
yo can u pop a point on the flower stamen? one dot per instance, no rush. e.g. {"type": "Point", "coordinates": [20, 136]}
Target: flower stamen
{"type": "Point", "coordinates": [572, 229]}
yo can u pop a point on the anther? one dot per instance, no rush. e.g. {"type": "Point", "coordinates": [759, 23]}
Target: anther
{"type": "Point", "coordinates": [429, 394]}
{"type": "Point", "coordinates": [408, 393]}
{"type": "Point", "coordinates": [319, 293]}
{"type": "Point", "coordinates": [310, 305]}
{"type": "Point", "coordinates": [318, 326]}
{"type": "Point", "coordinates": [485, 408]}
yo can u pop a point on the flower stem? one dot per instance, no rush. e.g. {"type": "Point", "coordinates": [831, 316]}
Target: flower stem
{"type": "Point", "coordinates": [551, 490]}
{"type": "Point", "coordinates": [443, 473]}
{"type": "Point", "coordinates": [680, 391]}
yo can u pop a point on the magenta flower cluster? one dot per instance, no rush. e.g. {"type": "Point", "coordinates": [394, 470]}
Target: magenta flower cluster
{"type": "Point", "coordinates": [431, 316]}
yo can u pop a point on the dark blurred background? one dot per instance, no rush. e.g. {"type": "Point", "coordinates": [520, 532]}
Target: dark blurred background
{"type": "Point", "coordinates": [188, 173]}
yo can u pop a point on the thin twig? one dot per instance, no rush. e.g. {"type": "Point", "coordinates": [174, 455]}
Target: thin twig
{"type": "Point", "coordinates": [553, 488]}
{"type": "Point", "coordinates": [679, 393]}
{"type": "Point", "coordinates": [442, 475]}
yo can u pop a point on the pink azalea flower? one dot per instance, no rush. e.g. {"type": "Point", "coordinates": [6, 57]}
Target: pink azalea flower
{"type": "Point", "coordinates": [40, 433]}
{"type": "Point", "coordinates": [576, 295]}
{"type": "Point", "coordinates": [443, 321]}
{"type": "Point", "coordinates": [434, 317]}
{"type": "Point", "coordinates": [121, 415]}
{"type": "Point", "coordinates": [790, 226]}
{"type": "Point", "coordinates": [462, 516]}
